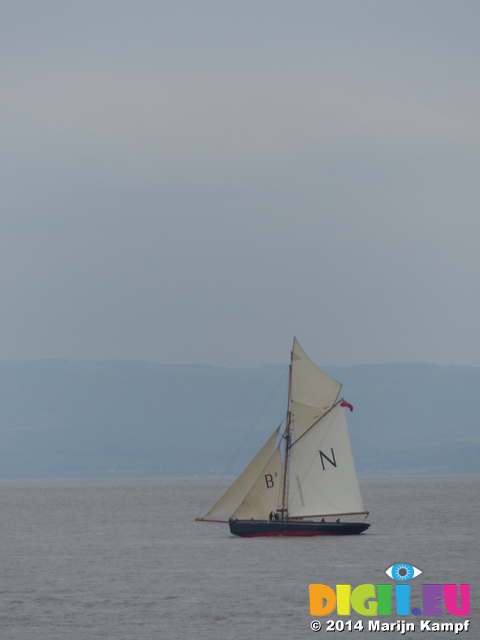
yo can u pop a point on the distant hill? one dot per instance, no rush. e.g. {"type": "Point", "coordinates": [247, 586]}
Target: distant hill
{"type": "Point", "coordinates": [62, 419]}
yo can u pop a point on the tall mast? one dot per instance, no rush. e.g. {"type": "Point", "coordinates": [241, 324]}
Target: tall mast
{"type": "Point", "coordinates": [287, 440]}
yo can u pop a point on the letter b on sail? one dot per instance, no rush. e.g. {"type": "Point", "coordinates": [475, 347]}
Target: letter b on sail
{"type": "Point", "coordinates": [269, 480]}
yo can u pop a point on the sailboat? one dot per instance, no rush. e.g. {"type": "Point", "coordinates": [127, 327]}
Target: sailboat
{"type": "Point", "coordinates": [293, 494]}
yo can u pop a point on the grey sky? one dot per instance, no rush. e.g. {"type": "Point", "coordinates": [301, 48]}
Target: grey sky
{"type": "Point", "coordinates": [199, 181]}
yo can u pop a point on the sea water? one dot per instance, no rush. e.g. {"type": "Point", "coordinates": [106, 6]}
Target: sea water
{"type": "Point", "coordinates": [125, 560]}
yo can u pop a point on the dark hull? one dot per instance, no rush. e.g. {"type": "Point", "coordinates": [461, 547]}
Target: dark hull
{"type": "Point", "coordinates": [264, 528]}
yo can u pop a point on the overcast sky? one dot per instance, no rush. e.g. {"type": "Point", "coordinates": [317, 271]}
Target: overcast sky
{"type": "Point", "coordinates": [194, 181]}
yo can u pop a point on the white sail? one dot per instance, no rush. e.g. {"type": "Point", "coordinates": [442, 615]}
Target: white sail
{"type": "Point", "coordinates": [235, 494]}
{"type": "Point", "coordinates": [313, 391]}
{"type": "Point", "coordinates": [322, 477]}
{"type": "Point", "coordinates": [264, 496]}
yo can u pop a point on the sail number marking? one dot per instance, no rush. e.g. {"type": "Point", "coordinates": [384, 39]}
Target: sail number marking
{"type": "Point", "coordinates": [269, 480]}
{"type": "Point", "coordinates": [323, 456]}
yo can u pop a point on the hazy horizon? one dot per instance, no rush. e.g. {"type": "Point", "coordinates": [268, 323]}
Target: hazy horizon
{"type": "Point", "coordinates": [285, 364]}
{"type": "Point", "coordinates": [139, 419]}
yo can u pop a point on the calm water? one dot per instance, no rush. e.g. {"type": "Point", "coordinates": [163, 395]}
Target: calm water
{"type": "Point", "coordinates": [124, 559]}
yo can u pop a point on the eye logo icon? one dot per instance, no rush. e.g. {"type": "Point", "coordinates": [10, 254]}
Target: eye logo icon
{"type": "Point", "coordinates": [402, 572]}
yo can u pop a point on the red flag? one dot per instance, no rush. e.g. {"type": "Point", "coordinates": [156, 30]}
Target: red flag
{"type": "Point", "coordinates": [346, 404]}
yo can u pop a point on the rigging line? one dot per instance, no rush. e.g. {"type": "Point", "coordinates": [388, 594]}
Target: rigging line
{"type": "Point", "coordinates": [245, 439]}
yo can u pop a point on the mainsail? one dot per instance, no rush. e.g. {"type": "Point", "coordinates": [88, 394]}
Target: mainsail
{"type": "Point", "coordinates": [322, 477]}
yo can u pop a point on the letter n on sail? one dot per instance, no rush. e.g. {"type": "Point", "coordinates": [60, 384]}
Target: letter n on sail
{"type": "Point", "coordinates": [331, 460]}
